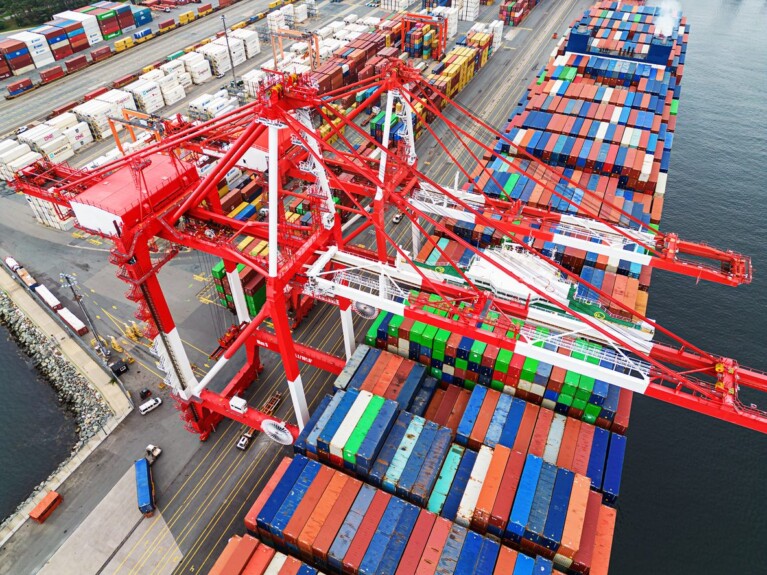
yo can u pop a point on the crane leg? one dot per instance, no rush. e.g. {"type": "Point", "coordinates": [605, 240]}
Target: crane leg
{"type": "Point", "coordinates": [280, 320]}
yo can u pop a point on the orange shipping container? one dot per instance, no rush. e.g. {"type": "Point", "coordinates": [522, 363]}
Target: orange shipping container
{"type": "Point", "coordinates": [241, 555]}
{"type": "Point", "coordinates": [320, 514]}
{"type": "Point", "coordinates": [569, 440]}
{"type": "Point", "coordinates": [307, 505]}
{"type": "Point", "coordinates": [335, 519]}
{"type": "Point", "coordinates": [485, 415]}
{"type": "Point", "coordinates": [603, 542]}
{"type": "Point", "coordinates": [576, 515]}
{"type": "Point", "coordinates": [47, 505]}
{"type": "Point", "coordinates": [490, 487]}
{"type": "Point", "coordinates": [526, 426]}
{"type": "Point", "coordinates": [291, 567]}
{"type": "Point", "coordinates": [507, 559]}
{"type": "Point", "coordinates": [218, 566]}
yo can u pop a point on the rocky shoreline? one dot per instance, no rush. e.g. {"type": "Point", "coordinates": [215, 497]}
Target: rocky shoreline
{"type": "Point", "coordinates": [74, 391]}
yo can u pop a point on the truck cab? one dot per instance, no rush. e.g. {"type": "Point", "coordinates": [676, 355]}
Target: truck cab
{"type": "Point", "coordinates": [244, 442]}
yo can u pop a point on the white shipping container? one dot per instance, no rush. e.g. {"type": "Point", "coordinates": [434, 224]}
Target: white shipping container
{"type": "Point", "coordinates": [7, 145]}
{"type": "Point", "coordinates": [349, 423]}
{"type": "Point", "coordinates": [169, 81]}
{"type": "Point", "coordinates": [219, 106]}
{"type": "Point", "coordinates": [54, 144]}
{"type": "Point", "coordinates": [173, 95]}
{"type": "Point", "coordinates": [62, 154]}
{"type": "Point", "coordinates": [185, 79]}
{"type": "Point", "coordinates": [301, 14]}
{"type": "Point", "coordinates": [39, 136]}
{"type": "Point", "coordinates": [172, 68]}
{"type": "Point", "coordinates": [554, 440]}
{"type": "Point", "coordinates": [118, 99]}
{"type": "Point", "coordinates": [63, 121]}
{"type": "Point", "coordinates": [198, 105]}
{"type": "Point", "coordinates": [14, 153]}
{"type": "Point", "coordinates": [50, 300]}
{"type": "Point", "coordinates": [473, 487]}
{"type": "Point", "coordinates": [152, 75]}
{"type": "Point", "coordinates": [23, 161]}
{"type": "Point", "coordinates": [72, 321]}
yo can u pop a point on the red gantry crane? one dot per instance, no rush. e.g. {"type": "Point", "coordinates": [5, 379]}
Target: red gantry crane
{"type": "Point", "coordinates": [157, 192]}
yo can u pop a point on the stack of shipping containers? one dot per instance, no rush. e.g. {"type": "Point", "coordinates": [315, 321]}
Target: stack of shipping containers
{"type": "Point", "coordinates": [439, 453]}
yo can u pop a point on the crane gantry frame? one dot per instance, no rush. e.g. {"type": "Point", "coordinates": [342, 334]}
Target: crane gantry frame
{"type": "Point", "coordinates": [321, 260]}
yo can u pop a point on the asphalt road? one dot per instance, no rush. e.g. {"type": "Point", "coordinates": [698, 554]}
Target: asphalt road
{"type": "Point", "coordinates": [205, 489]}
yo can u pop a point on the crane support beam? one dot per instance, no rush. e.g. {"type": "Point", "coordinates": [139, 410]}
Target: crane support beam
{"type": "Point", "coordinates": [252, 417]}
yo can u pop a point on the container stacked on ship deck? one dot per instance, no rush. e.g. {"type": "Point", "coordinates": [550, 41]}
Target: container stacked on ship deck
{"type": "Point", "coordinates": [503, 487]}
{"type": "Point", "coordinates": [603, 111]}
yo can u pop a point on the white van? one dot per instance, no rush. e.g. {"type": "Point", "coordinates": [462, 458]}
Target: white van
{"type": "Point", "coordinates": [153, 403]}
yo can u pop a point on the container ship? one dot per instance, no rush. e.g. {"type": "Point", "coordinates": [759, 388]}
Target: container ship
{"type": "Point", "coordinates": [481, 426]}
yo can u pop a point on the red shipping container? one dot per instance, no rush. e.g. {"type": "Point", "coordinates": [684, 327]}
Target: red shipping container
{"type": "Point", "coordinates": [458, 410]}
{"type": "Point", "coordinates": [258, 563]}
{"type": "Point", "coordinates": [61, 53]}
{"type": "Point", "coordinates": [19, 85]}
{"type": "Point", "coordinates": [541, 432]}
{"type": "Point", "coordinates": [77, 63]}
{"type": "Point", "coordinates": [434, 546]}
{"type": "Point", "coordinates": [20, 62]}
{"type": "Point", "coordinates": [585, 553]}
{"type": "Point", "coordinates": [447, 405]}
{"type": "Point", "coordinates": [526, 426]}
{"type": "Point", "coordinates": [51, 74]}
{"type": "Point", "coordinates": [365, 532]}
{"type": "Point", "coordinates": [499, 516]}
{"type": "Point", "coordinates": [583, 449]}
{"type": "Point", "coordinates": [417, 543]}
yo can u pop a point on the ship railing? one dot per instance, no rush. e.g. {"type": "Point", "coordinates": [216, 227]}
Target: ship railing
{"type": "Point", "coordinates": [614, 360]}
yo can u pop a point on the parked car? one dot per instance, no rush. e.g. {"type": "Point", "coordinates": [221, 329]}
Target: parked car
{"type": "Point", "coordinates": [397, 218]}
{"type": "Point", "coordinates": [150, 405]}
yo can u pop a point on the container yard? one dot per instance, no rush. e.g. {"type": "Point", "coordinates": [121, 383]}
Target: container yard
{"type": "Point", "coordinates": [463, 405]}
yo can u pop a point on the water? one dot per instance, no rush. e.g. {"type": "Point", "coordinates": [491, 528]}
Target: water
{"type": "Point", "coordinates": [693, 496]}
{"type": "Point", "coordinates": [36, 433]}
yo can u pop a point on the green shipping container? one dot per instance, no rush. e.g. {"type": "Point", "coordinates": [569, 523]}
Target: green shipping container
{"type": "Point", "coordinates": [361, 429]}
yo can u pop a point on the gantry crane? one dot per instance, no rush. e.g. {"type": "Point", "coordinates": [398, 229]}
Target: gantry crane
{"type": "Point", "coordinates": [310, 38]}
{"type": "Point", "coordinates": [157, 192]}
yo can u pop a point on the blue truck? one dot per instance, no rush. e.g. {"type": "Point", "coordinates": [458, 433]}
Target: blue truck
{"type": "Point", "coordinates": [144, 487]}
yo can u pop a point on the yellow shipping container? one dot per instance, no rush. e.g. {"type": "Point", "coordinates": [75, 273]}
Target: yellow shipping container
{"type": "Point", "coordinates": [259, 248]}
{"type": "Point", "coordinates": [244, 244]}
{"type": "Point", "coordinates": [238, 209]}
